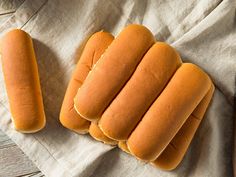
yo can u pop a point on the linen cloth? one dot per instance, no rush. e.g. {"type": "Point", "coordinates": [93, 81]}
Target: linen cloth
{"type": "Point", "coordinates": [203, 32]}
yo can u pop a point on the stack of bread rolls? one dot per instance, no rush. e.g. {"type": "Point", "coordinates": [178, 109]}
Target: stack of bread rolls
{"type": "Point", "coordinates": [135, 92]}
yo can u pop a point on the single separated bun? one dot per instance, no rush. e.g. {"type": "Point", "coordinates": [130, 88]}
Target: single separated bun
{"type": "Point", "coordinates": [22, 81]}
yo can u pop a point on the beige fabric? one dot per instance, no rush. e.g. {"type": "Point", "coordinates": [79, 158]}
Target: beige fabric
{"type": "Point", "coordinates": [203, 31]}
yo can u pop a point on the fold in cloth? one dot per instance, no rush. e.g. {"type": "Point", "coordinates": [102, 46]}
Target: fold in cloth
{"type": "Point", "coordinates": [203, 31]}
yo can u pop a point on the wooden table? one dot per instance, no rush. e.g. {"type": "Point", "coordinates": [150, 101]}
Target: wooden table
{"type": "Point", "coordinates": [13, 162]}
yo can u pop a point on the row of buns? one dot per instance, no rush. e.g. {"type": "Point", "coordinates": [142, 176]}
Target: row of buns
{"type": "Point", "coordinates": [130, 91]}
{"type": "Point", "coordinates": [140, 96]}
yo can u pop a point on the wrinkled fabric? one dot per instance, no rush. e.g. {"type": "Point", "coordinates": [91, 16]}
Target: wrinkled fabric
{"type": "Point", "coordinates": [203, 32]}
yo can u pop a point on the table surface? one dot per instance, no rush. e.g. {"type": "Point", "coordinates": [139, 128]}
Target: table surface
{"type": "Point", "coordinates": [13, 162]}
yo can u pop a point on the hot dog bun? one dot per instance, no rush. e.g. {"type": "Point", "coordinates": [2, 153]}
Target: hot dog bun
{"type": "Point", "coordinates": [95, 47]}
{"type": "Point", "coordinates": [22, 81]}
{"type": "Point", "coordinates": [112, 71]}
{"type": "Point", "coordinates": [168, 113]}
{"type": "Point", "coordinates": [175, 151]}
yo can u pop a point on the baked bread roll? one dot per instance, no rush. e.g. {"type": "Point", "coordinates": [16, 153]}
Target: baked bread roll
{"type": "Point", "coordinates": [172, 155]}
{"type": "Point", "coordinates": [175, 151]}
{"type": "Point", "coordinates": [94, 48]}
{"type": "Point", "coordinates": [112, 71]}
{"type": "Point", "coordinates": [22, 81]}
{"type": "Point", "coordinates": [168, 113]}
{"type": "Point", "coordinates": [149, 79]}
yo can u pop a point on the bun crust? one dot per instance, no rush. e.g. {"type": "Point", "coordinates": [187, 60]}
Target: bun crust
{"type": "Point", "coordinates": [97, 134]}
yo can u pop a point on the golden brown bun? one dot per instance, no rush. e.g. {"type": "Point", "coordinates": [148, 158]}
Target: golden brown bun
{"type": "Point", "coordinates": [175, 151]}
{"type": "Point", "coordinates": [151, 76]}
{"type": "Point", "coordinates": [22, 81]}
{"type": "Point", "coordinates": [112, 71]}
{"type": "Point", "coordinates": [95, 47]}
{"type": "Point", "coordinates": [168, 113]}
{"type": "Point", "coordinates": [97, 134]}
